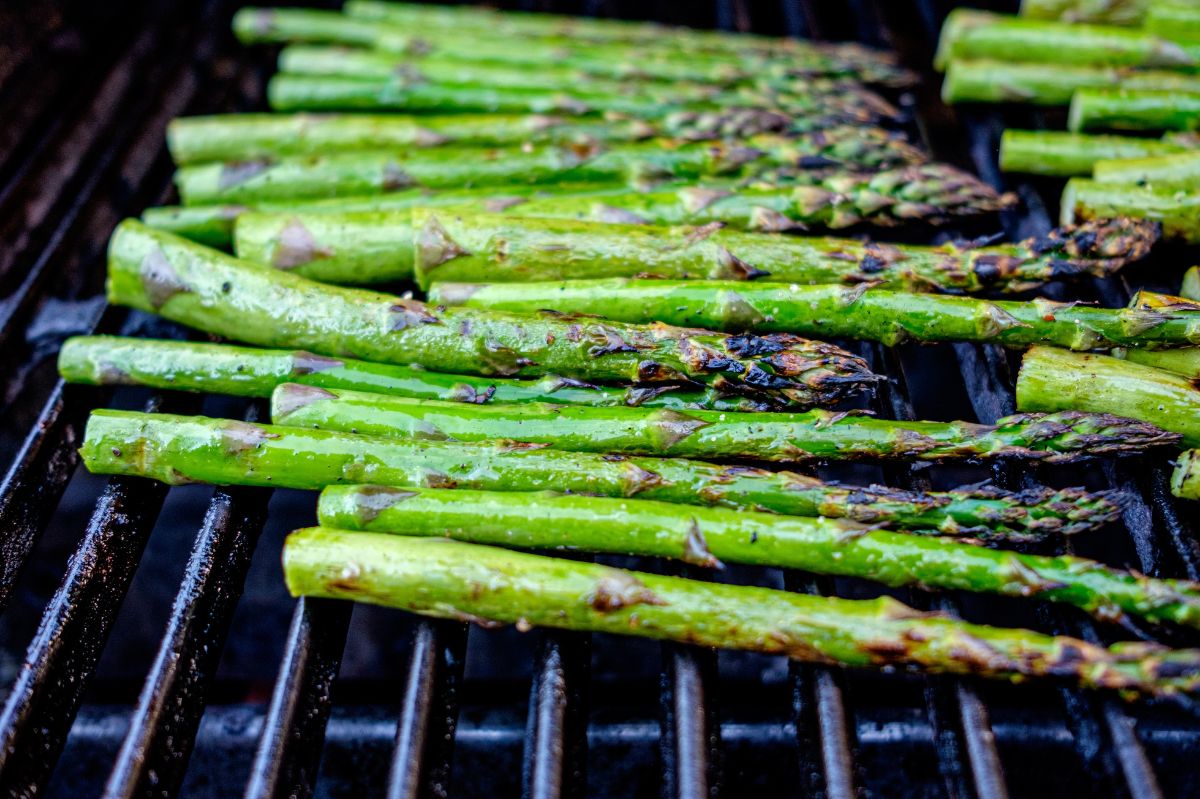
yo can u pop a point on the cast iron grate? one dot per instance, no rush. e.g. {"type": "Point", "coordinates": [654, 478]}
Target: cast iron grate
{"type": "Point", "coordinates": [86, 94]}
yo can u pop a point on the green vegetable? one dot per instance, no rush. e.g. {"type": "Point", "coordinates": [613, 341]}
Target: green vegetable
{"type": "Point", "coordinates": [1049, 84]}
{"type": "Point", "coordinates": [1185, 480]}
{"type": "Point", "coordinates": [186, 283]}
{"type": "Point", "coordinates": [1176, 208]}
{"type": "Point", "coordinates": [1054, 380]}
{"type": "Point", "coordinates": [856, 312]}
{"type": "Point", "coordinates": [1174, 20]}
{"type": "Point", "coordinates": [1130, 109]}
{"type": "Point", "coordinates": [1177, 169]}
{"type": "Point", "coordinates": [444, 578]}
{"type": "Point", "coordinates": [708, 434]}
{"type": "Point", "coordinates": [710, 537]}
{"type": "Point", "coordinates": [1049, 152]}
{"type": "Point", "coordinates": [1111, 12]}
{"type": "Point", "coordinates": [252, 372]}
{"type": "Point", "coordinates": [182, 449]}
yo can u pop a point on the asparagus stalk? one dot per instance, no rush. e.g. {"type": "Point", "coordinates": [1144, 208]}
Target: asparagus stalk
{"type": "Point", "coordinates": [184, 282]}
{"type": "Point", "coordinates": [253, 372]}
{"type": "Point", "coordinates": [711, 537]}
{"type": "Point", "coordinates": [1173, 20]}
{"type": "Point", "coordinates": [857, 312]}
{"type": "Point", "coordinates": [1053, 380]}
{"type": "Point", "coordinates": [703, 434]}
{"type": "Point", "coordinates": [383, 171]}
{"type": "Point", "coordinates": [1050, 84]}
{"type": "Point", "coordinates": [181, 449]}
{"type": "Point", "coordinates": [1108, 12]}
{"type": "Point", "coordinates": [1130, 109]}
{"type": "Point", "coordinates": [1176, 169]}
{"type": "Point", "coordinates": [240, 137]}
{"type": "Point", "coordinates": [1190, 287]}
{"type": "Point", "coordinates": [1185, 480]}
{"type": "Point", "coordinates": [1048, 152]}
{"type": "Point", "coordinates": [442, 578]}
{"type": "Point", "coordinates": [1177, 209]}
{"type": "Point", "coordinates": [970, 35]}
{"type": "Point", "coordinates": [380, 246]}
{"type": "Point", "coordinates": [1185, 361]}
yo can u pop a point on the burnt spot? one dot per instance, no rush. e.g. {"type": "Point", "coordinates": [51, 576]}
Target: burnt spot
{"type": "Point", "coordinates": [160, 281]}
{"type": "Point", "coordinates": [370, 501]}
{"type": "Point", "coordinates": [635, 479]}
{"type": "Point", "coordinates": [872, 264]}
{"type": "Point", "coordinates": [695, 549]}
{"type": "Point", "coordinates": [617, 590]}
{"type": "Point", "coordinates": [655, 372]}
{"type": "Point", "coordinates": [238, 437]}
{"type": "Point", "coordinates": [499, 359]}
{"type": "Point", "coordinates": [639, 395]}
{"type": "Point", "coordinates": [734, 268]}
{"type": "Point", "coordinates": [404, 314]}
{"type": "Point", "coordinates": [671, 427]}
{"type": "Point", "coordinates": [291, 397]}
{"type": "Point", "coordinates": [297, 246]}
{"type": "Point", "coordinates": [464, 392]}
{"type": "Point", "coordinates": [431, 478]}
{"type": "Point", "coordinates": [435, 246]}
{"type": "Point", "coordinates": [234, 173]}
{"type": "Point", "coordinates": [700, 233]}
{"type": "Point", "coordinates": [394, 178]}
{"type": "Point", "coordinates": [497, 205]}
{"type": "Point", "coordinates": [307, 363]}
{"type": "Point", "coordinates": [109, 374]}
{"type": "Point", "coordinates": [607, 341]}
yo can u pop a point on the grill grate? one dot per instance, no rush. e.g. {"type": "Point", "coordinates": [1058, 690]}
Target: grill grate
{"type": "Point", "coordinates": [86, 97]}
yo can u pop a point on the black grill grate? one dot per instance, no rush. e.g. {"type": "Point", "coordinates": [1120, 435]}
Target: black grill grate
{"type": "Point", "coordinates": [86, 94]}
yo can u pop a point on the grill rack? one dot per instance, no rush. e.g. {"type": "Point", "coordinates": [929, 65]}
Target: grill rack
{"type": "Point", "coordinates": [88, 101]}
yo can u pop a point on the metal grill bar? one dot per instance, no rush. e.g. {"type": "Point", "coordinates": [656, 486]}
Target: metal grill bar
{"type": "Point", "coordinates": [686, 743]}
{"type": "Point", "coordinates": [424, 745]}
{"type": "Point", "coordinates": [289, 750]}
{"type": "Point", "coordinates": [555, 761]}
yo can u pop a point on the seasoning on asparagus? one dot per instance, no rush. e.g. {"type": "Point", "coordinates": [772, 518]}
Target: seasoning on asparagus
{"type": "Point", "coordinates": [1176, 208]}
{"type": "Point", "coordinates": [711, 537]}
{"type": "Point", "coordinates": [855, 312]}
{"type": "Point", "coordinates": [373, 247]}
{"type": "Point", "coordinates": [1052, 379]}
{"type": "Point", "coordinates": [182, 449]}
{"type": "Point", "coordinates": [766, 436]}
{"type": "Point", "coordinates": [1051, 152]}
{"type": "Point", "coordinates": [1050, 84]}
{"type": "Point", "coordinates": [1185, 480]}
{"type": "Point", "coordinates": [1175, 169]}
{"type": "Point", "coordinates": [382, 172]}
{"type": "Point", "coordinates": [1129, 109]}
{"type": "Point", "coordinates": [187, 283]}
{"type": "Point", "coordinates": [441, 578]}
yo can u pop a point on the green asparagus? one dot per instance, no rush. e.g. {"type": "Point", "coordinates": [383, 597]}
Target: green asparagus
{"type": "Point", "coordinates": [1190, 287]}
{"type": "Point", "coordinates": [711, 537]}
{"type": "Point", "coordinates": [1054, 380]}
{"type": "Point", "coordinates": [371, 247]}
{"type": "Point", "coordinates": [1176, 169]}
{"type": "Point", "coordinates": [382, 171]}
{"type": "Point", "coordinates": [855, 312]}
{"type": "Point", "coordinates": [1129, 109]}
{"type": "Point", "coordinates": [1048, 152]}
{"type": "Point", "coordinates": [969, 34]}
{"type": "Point", "coordinates": [700, 434]}
{"type": "Point", "coordinates": [1177, 209]}
{"type": "Point", "coordinates": [1050, 84]}
{"type": "Point", "coordinates": [1108, 12]}
{"type": "Point", "coordinates": [1185, 480]}
{"type": "Point", "coordinates": [1173, 20]}
{"type": "Point", "coordinates": [1183, 361]}
{"type": "Point", "coordinates": [253, 372]}
{"type": "Point", "coordinates": [187, 283]}
{"type": "Point", "coordinates": [489, 585]}
{"type": "Point", "coordinates": [181, 449]}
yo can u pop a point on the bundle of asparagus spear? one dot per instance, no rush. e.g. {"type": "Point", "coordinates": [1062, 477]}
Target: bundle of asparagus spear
{"type": "Point", "coordinates": [503, 412]}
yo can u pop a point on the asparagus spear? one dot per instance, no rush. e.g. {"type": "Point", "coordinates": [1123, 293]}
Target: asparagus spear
{"type": "Point", "coordinates": [1049, 84]}
{"type": "Point", "coordinates": [698, 434]}
{"type": "Point", "coordinates": [184, 282]}
{"type": "Point", "coordinates": [710, 537]}
{"type": "Point", "coordinates": [181, 449]}
{"type": "Point", "coordinates": [379, 246]}
{"type": "Point", "coordinates": [1190, 287]}
{"type": "Point", "coordinates": [1173, 20]}
{"type": "Point", "coordinates": [1175, 169]}
{"type": "Point", "coordinates": [855, 312]}
{"type": "Point", "coordinates": [1177, 209]}
{"type": "Point", "coordinates": [1130, 109]}
{"type": "Point", "coordinates": [969, 35]}
{"type": "Point", "coordinates": [1109, 12]}
{"type": "Point", "coordinates": [384, 171]}
{"type": "Point", "coordinates": [1185, 480]}
{"type": "Point", "coordinates": [252, 372]}
{"type": "Point", "coordinates": [1048, 152]}
{"type": "Point", "coordinates": [443, 578]}
{"type": "Point", "coordinates": [1183, 361]}
{"type": "Point", "coordinates": [234, 137]}
{"type": "Point", "coordinates": [1053, 380]}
